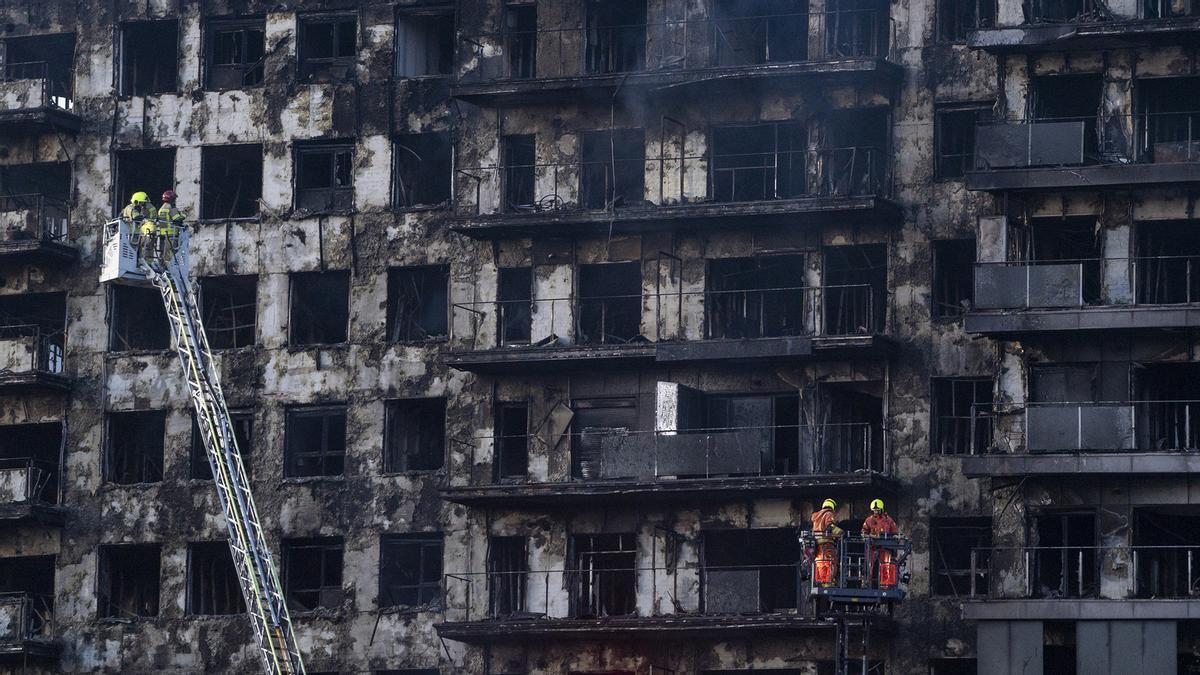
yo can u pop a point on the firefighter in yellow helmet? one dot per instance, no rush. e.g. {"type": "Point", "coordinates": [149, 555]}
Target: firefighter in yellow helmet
{"type": "Point", "coordinates": [140, 215]}
{"type": "Point", "coordinates": [880, 524]}
{"type": "Point", "coordinates": [827, 533]}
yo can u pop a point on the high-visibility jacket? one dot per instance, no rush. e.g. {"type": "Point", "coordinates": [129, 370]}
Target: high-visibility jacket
{"type": "Point", "coordinates": [136, 212]}
{"type": "Point", "coordinates": [879, 525]}
{"type": "Point", "coordinates": [823, 524]}
{"type": "Point", "coordinates": [170, 219]}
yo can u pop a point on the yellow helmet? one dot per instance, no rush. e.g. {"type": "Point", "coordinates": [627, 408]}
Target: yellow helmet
{"type": "Point", "coordinates": [876, 504]}
{"type": "Point", "coordinates": [139, 198]}
{"type": "Point", "coordinates": [829, 504]}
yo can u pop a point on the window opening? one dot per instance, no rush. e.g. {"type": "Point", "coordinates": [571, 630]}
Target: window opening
{"type": "Point", "coordinates": [213, 587]}
{"type": "Point", "coordinates": [312, 573]}
{"type": "Point", "coordinates": [128, 581]}
{"type": "Point", "coordinates": [231, 180]}
{"type": "Point", "coordinates": [410, 570]}
{"type": "Point", "coordinates": [135, 446]}
{"type": "Point", "coordinates": [149, 57]}
{"type": "Point", "coordinates": [316, 441]}
{"type": "Point", "coordinates": [417, 303]}
{"type": "Point", "coordinates": [416, 434]}
{"type": "Point", "coordinates": [610, 303]}
{"type": "Point", "coordinates": [235, 54]}
{"type": "Point", "coordinates": [320, 308]}
{"type": "Point", "coordinates": [603, 568]}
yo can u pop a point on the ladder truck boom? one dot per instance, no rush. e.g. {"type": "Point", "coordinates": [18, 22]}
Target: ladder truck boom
{"type": "Point", "coordinates": [161, 261]}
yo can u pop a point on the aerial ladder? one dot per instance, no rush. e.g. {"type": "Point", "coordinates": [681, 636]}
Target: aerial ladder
{"type": "Point", "coordinates": [161, 261]}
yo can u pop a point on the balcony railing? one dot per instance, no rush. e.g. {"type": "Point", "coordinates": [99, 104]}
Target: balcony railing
{"type": "Point", "coordinates": [645, 183]}
{"type": "Point", "coordinates": [27, 480]}
{"type": "Point", "coordinates": [674, 45]}
{"type": "Point", "coordinates": [44, 89]}
{"type": "Point", "coordinates": [1086, 572]}
{"type": "Point", "coordinates": [30, 348]}
{"type": "Point", "coordinates": [34, 217]}
{"type": "Point", "coordinates": [685, 589]}
{"type": "Point", "coordinates": [1145, 138]}
{"type": "Point", "coordinates": [1121, 426]}
{"type": "Point", "coordinates": [26, 616]}
{"type": "Point", "coordinates": [801, 311]}
{"type": "Point", "coordinates": [1088, 282]}
{"type": "Point", "coordinates": [1097, 12]}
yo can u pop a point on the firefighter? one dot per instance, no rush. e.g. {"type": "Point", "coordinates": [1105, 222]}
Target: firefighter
{"type": "Point", "coordinates": [826, 532]}
{"type": "Point", "coordinates": [170, 222]}
{"type": "Point", "coordinates": [140, 215]}
{"type": "Point", "coordinates": [878, 525]}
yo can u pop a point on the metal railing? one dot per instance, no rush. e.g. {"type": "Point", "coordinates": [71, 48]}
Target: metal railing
{"type": "Point", "coordinates": [595, 591]}
{"type": "Point", "coordinates": [1088, 282]}
{"type": "Point", "coordinates": [813, 311]}
{"type": "Point", "coordinates": [1108, 426]}
{"type": "Point", "coordinates": [646, 183]}
{"type": "Point", "coordinates": [26, 348]}
{"type": "Point", "coordinates": [34, 217]}
{"type": "Point", "coordinates": [1098, 572]}
{"type": "Point", "coordinates": [673, 45]}
{"type": "Point", "coordinates": [1083, 12]}
{"type": "Point", "coordinates": [709, 452]}
{"type": "Point", "coordinates": [26, 616]}
{"type": "Point", "coordinates": [27, 479]}
{"type": "Point", "coordinates": [55, 90]}
{"type": "Point", "coordinates": [1109, 138]}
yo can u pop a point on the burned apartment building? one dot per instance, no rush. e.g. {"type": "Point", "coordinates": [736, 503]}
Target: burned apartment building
{"type": "Point", "coordinates": [545, 325]}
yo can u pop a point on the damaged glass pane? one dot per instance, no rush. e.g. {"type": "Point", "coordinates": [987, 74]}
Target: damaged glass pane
{"type": "Point", "coordinates": [328, 47]}
{"type": "Point", "coordinates": [325, 178]}
{"type": "Point", "coordinates": [235, 54]}
{"type": "Point", "coordinates": [423, 169]}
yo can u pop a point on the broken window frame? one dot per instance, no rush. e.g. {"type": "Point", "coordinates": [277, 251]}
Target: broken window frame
{"type": "Point", "coordinates": [514, 305]}
{"type": "Point", "coordinates": [782, 171]}
{"type": "Point", "coordinates": [43, 60]}
{"type": "Point", "coordinates": [507, 570]}
{"type": "Point", "coordinates": [421, 587]}
{"type": "Point", "coordinates": [957, 18]}
{"type": "Point", "coordinates": [331, 573]}
{"type": "Point", "coordinates": [957, 581]}
{"type": "Point", "coordinates": [142, 588]}
{"type": "Point", "coordinates": [1075, 565]}
{"type": "Point", "coordinates": [222, 595]}
{"type": "Point", "coordinates": [414, 424]}
{"type": "Point", "coordinates": [117, 469]}
{"type": "Point", "coordinates": [297, 309]}
{"type": "Point", "coordinates": [434, 59]}
{"type": "Point", "coordinates": [243, 432]}
{"type": "Point", "coordinates": [758, 32]}
{"type": "Point", "coordinates": [126, 79]}
{"type": "Point", "coordinates": [221, 320]}
{"type": "Point", "coordinates": [311, 68]}
{"type": "Point", "coordinates": [409, 319]}
{"type": "Point", "coordinates": [614, 47]}
{"type": "Point", "coordinates": [36, 447]}
{"type": "Point", "coordinates": [339, 192]}
{"type": "Point", "coordinates": [430, 173]}
{"type": "Point", "coordinates": [962, 430]}
{"type": "Point", "coordinates": [769, 310]}
{"type": "Point", "coordinates": [519, 177]}
{"type": "Point", "coordinates": [600, 314]}
{"type": "Point", "coordinates": [520, 41]}
{"type": "Point", "coordinates": [211, 163]}
{"type": "Point", "coordinates": [615, 176]}
{"type": "Point", "coordinates": [599, 560]}
{"type": "Point", "coordinates": [251, 71]}
{"type": "Point", "coordinates": [329, 460]}
{"type": "Point", "coordinates": [953, 288]}
{"type": "Point", "coordinates": [511, 461]}
{"type": "Point", "coordinates": [955, 165]}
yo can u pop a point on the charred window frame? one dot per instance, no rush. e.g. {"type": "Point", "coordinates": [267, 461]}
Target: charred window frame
{"type": "Point", "coordinates": [512, 442]}
{"type": "Point", "coordinates": [609, 303]}
{"type": "Point", "coordinates": [755, 297]}
{"type": "Point", "coordinates": [612, 170]}
{"type": "Point", "coordinates": [1066, 561]}
{"type": "Point", "coordinates": [410, 570]}
{"type": "Point", "coordinates": [425, 41]}
{"type": "Point", "coordinates": [229, 305]}
{"type": "Point", "coordinates": [234, 53]}
{"type": "Point", "coordinates": [325, 176]}
{"type": "Point", "coordinates": [47, 57]}
{"type": "Point", "coordinates": [615, 40]}
{"type": "Point", "coordinates": [230, 181]}
{"type": "Point", "coordinates": [758, 32]}
{"type": "Point", "coordinates": [515, 305]}
{"type": "Point", "coordinates": [414, 435]}
{"type": "Point", "coordinates": [315, 441]}
{"type": "Point", "coordinates": [243, 434]}
{"type": "Point", "coordinates": [40, 447]}
{"type": "Point", "coordinates": [312, 573]}
{"type": "Point", "coordinates": [954, 138]}
{"type": "Point", "coordinates": [423, 168]}
{"type": "Point", "coordinates": [328, 46]}
{"type": "Point", "coordinates": [957, 18]}
{"type": "Point", "coordinates": [961, 411]}
{"type": "Point", "coordinates": [320, 308]}
{"type": "Point", "coordinates": [768, 555]}
{"type": "Point", "coordinates": [603, 577]}
{"type": "Point", "coordinates": [953, 277]}
{"type": "Point", "coordinates": [758, 162]}
{"type": "Point", "coordinates": [149, 62]}
{"type": "Point", "coordinates": [519, 159]}
{"type": "Point", "coordinates": [593, 420]}
{"type": "Point", "coordinates": [508, 568]}
{"type": "Point", "coordinates": [134, 442]}
{"type": "Point", "coordinates": [128, 580]}
{"type": "Point", "coordinates": [520, 39]}
{"type": "Point", "coordinates": [151, 171]}
{"type": "Point", "coordinates": [418, 304]}
{"type": "Point", "coordinates": [951, 542]}
{"type": "Point", "coordinates": [855, 293]}
{"type": "Point", "coordinates": [213, 588]}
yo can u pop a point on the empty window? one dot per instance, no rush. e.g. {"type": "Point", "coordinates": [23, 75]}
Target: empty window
{"type": "Point", "coordinates": [423, 169]}
{"type": "Point", "coordinates": [1168, 392]}
{"type": "Point", "coordinates": [953, 544]}
{"type": "Point", "coordinates": [616, 36]}
{"type": "Point", "coordinates": [425, 42]}
{"type": "Point", "coordinates": [235, 54]}
{"type": "Point", "coordinates": [37, 447]}
{"type": "Point", "coordinates": [854, 156]}
{"type": "Point", "coordinates": [1167, 120]}
{"type": "Point", "coordinates": [751, 570]}
{"type": "Point", "coordinates": [520, 39]}
{"type": "Point", "coordinates": [138, 320]}
{"type": "Point", "coordinates": [135, 447]}
{"type": "Point", "coordinates": [962, 421]}
{"type": "Point", "coordinates": [957, 18]}
{"type": "Point", "coordinates": [855, 289]}
{"type": "Point", "coordinates": [324, 176]}
{"type": "Point", "coordinates": [212, 580]}
{"type": "Point", "coordinates": [760, 31]}
{"type": "Point", "coordinates": [955, 132]}
{"type": "Point", "coordinates": [320, 311]}
{"type": "Point", "coordinates": [519, 171]}
{"type": "Point", "coordinates": [328, 46]}
{"type": "Point", "coordinates": [50, 58]}
{"type": "Point", "coordinates": [1069, 98]}
{"type": "Point", "coordinates": [953, 277]}
{"type": "Point", "coordinates": [33, 331]}
{"type": "Point", "coordinates": [605, 581]}
{"type": "Point", "coordinates": [512, 442]}
{"type": "Point", "coordinates": [149, 57]}
{"type": "Point", "coordinates": [243, 434]}
{"type": "Point", "coordinates": [610, 303]}
{"type": "Point", "coordinates": [312, 573]}
{"type": "Point", "coordinates": [410, 569]}
{"type": "Point", "coordinates": [1065, 557]}
{"type": "Point", "coordinates": [856, 28]}
{"type": "Point", "coordinates": [418, 303]}
{"type": "Point", "coordinates": [1165, 541]}
{"type": "Point", "coordinates": [508, 567]}
{"type": "Point", "coordinates": [1168, 262]}
{"type": "Point", "coordinates": [755, 163]}
{"type": "Point", "coordinates": [32, 577]}
{"type": "Point", "coordinates": [1074, 240]}
{"type": "Point", "coordinates": [230, 308]}
{"type": "Point", "coordinates": [613, 171]}
{"type": "Point", "coordinates": [515, 305]}
{"type": "Point", "coordinates": [415, 437]}
{"type": "Point", "coordinates": [755, 297]}
{"type": "Point", "coordinates": [231, 181]}
{"type": "Point", "coordinates": [128, 581]}
{"type": "Point", "coordinates": [149, 171]}
{"type": "Point", "coordinates": [34, 200]}
{"type": "Point", "coordinates": [316, 441]}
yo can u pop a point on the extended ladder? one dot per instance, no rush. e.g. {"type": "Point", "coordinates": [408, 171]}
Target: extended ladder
{"type": "Point", "coordinates": [255, 568]}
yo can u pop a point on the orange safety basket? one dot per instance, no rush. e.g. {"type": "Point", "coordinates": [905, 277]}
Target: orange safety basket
{"type": "Point", "coordinates": [823, 571]}
{"type": "Point", "coordinates": [887, 574]}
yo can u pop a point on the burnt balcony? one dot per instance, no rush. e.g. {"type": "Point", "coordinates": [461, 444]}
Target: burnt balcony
{"type": "Point", "coordinates": [1144, 150]}
{"type": "Point", "coordinates": [27, 628]}
{"type": "Point", "coordinates": [1123, 294]}
{"type": "Point", "coordinates": [35, 228]}
{"type": "Point", "coordinates": [781, 187]}
{"type": "Point", "coordinates": [1155, 437]}
{"type": "Point", "coordinates": [1080, 25]}
{"type": "Point", "coordinates": [31, 359]}
{"type": "Point", "coordinates": [688, 56]}
{"type": "Point", "coordinates": [35, 98]}
{"type": "Point", "coordinates": [29, 491]}
{"type": "Point", "coordinates": [617, 465]}
{"type": "Point", "coordinates": [763, 325]}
